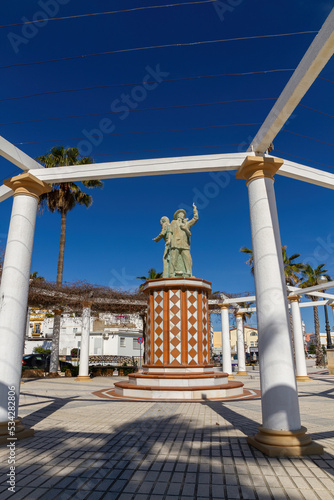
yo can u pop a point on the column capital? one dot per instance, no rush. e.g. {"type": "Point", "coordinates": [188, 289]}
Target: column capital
{"type": "Point", "coordinates": [238, 314]}
{"type": "Point", "coordinates": [27, 184]}
{"type": "Point", "coordinates": [58, 311]}
{"type": "Point", "coordinates": [332, 305]}
{"type": "Point", "coordinates": [257, 167]}
{"type": "Point", "coordinates": [294, 298]}
{"type": "Point", "coordinates": [223, 305]}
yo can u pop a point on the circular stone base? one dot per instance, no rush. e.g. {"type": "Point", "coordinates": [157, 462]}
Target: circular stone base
{"type": "Point", "coordinates": [83, 378]}
{"type": "Point", "coordinates": [275, 443]}
{"type": "Point", "coordinates": [303, 378]}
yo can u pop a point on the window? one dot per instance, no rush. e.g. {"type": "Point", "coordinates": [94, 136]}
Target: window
{"type": "Point", "coordinates": [136, 344]}
{"type": "Point", "coordinates": [75, 330]}
{"type": "Point", "coordinates": [122, 342]}
{"type": "Point", "coordinates": [253, 334]}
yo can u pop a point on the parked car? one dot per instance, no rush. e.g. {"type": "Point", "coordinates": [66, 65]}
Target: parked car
{"type": "Point", "coordinates": [37, 360]}
{"type": "Point", "coordinates": [42, 361]}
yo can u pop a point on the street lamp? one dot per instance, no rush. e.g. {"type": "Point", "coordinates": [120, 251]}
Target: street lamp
{"type": "Point", "coordinates": [321, 281]}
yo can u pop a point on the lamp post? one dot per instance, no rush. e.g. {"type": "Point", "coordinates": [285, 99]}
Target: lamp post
{"type": "Point", "coordinates": [322, 280]}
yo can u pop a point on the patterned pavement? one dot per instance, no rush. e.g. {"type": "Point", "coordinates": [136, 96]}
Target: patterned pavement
{"type": "Point", "coordinates": [86, 447]}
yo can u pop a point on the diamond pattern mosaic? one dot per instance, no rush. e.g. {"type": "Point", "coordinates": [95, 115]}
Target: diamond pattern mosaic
{"type": "Point", "coordinates": [205, 330]}
{"type": "Point", "coordinates": [148, 334]}
{"type": "Point", "coordinates": [158, 327]}
{"type": "Point", "coordinates": [192, 327]}
{"type": "Point", "coordinates": [175, 326]}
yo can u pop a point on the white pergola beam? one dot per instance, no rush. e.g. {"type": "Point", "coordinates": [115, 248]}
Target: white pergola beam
{"type": "Point", "coordinates": [182, 165]}
{"type": "Point", "coordinates": [237, 300]}
{"type": "Point", "coordinates": [315, 303]}
{"type": "Point", "coordinates": [304, 173]}
{"type": "Point", "coordinates": [166, 166]}
{"type": "Point", "coordinates": [16, 156]}
{"type": "Point", "coordinates": [316, 57]}
{"type": "Point", "coordinates": [317, 288]}
{"type": "Point", "coordinates": [140, 168]}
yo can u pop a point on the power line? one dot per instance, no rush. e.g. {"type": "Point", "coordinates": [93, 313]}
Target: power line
{"type": "Point", "coordinates": [145, 83]}
{"type": "Point", "coordinates": [302, 158]}
{"type": "Point", "coordinates": [156, 47]}
{"type": "Point", "coordinates": [106, 13]}
{"type": "Point", "coordinates": [165, 149]}
{"type": "Point", "coordinates": [308, 137]}
{"type": "Point", "coordinates": [316, 110]}
{"type": "Point", "coordinates": [325, 79]}
{"type": "Point", "coordinates": [141, 109]}
{"type": "Point", "coordinates": [141, 132]}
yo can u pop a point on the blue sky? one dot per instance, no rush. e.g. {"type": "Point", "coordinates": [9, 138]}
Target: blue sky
{"type": "Point", "coordinates": [111, 243]}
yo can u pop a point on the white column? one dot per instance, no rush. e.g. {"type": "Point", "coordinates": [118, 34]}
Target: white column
{"type": "Point", "coordinates": [15, 284]}
{"type": "Point", "coordinates": [241, 345]}
{"type": "Point", "coordinates": [226, 342]}
{"type": "Point", "coordinates": [281, 433]}
{"type": "Point", "coordinates": [84, 346]}
{"type": "Point", "coordinates": [298, 337]}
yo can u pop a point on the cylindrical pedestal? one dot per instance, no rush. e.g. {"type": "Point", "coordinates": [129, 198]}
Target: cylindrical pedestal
{"type": "Point", "coordinates": [178, 346]}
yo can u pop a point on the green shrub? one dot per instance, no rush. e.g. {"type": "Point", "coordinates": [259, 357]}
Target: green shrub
{"type": "Point", "coordinates": [105, 371]}
{"type": "Point", "coordinates": [41, 350]}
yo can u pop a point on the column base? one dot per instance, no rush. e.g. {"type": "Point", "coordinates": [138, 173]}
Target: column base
{"type": "Point", "coordinates": [242, 373]}
{"type": "Point", "coordinates": [303, 378]}
{"type": "Point", "coordinates": [21, 432]}
{"type": "Point", "coordinates": [231, 377]}
{"type": "Point", "coordinates": [82, 378]}
{"type": "Point", "coordinates": [275, 443]}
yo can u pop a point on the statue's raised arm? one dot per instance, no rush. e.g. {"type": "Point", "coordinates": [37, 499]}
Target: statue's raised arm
{"type": "Point", "coordinates": [195, 217]}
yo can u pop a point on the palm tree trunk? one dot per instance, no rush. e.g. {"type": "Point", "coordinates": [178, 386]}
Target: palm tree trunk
{"type": "Point", "coordinates": [61, 249]}
{"type": "Point", "coordinates": [318, 350]}
{"type": "Point", "coordinates": [54, 361]}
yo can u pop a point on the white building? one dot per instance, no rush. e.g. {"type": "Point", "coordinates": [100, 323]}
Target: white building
{"type": "Point", "coordinates": [110, 334]}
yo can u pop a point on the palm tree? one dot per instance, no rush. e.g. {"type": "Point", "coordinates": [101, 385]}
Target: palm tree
{"type": "Point", "coordinates": [310, 277]}
{"type": "Point", "coordinates": [63, 198]}
{"type": "Point", "coordinates": [292, 270]}
{"type": "Point", "coordinates": [250, 261]}
{"type": "Point", "coordinates": [34, 276]}
{"type": "Point", "coordinates": [152, 275]}
{"type": "Point", "coordinates": [245, 315]}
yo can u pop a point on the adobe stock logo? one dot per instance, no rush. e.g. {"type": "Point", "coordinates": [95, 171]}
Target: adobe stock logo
{"type": "Point", "coordinates": [122, 107]}
{"type": "Point", "coordinates": [49, 9]}
{"type": "Point", "coordinates": [221, 7]}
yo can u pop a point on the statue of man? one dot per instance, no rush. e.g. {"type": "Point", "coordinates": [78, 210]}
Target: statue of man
{"type": "Point", "coordinates": [165, 234]}
{"type": "Point", "coordinates": [180, 258]}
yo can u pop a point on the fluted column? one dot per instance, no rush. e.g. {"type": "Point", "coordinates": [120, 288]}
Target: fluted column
{"type": "Point", "coordinates": [84, 346]}
{"type": "Point", "coordinates": [226, 341]}
{"type": "Point", "coordinates": [281, 433]}
{"type": "Point", "coordinates": [298, 337]}
{"type": "Point", "coordinates": [14, 290]}
{"type": "Point", "coordinates": [240, 345]}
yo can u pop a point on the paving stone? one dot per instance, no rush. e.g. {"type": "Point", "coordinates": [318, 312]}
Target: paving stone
{"type": "Point", "coordinates": [188, 457]}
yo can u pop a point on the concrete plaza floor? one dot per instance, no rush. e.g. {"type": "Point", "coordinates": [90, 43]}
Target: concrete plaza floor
{"type": "Point", "coordinates": [86, 447]}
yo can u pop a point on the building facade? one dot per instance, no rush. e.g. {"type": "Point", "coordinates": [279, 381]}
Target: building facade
{"type": "Point", "coordinates": [251, 340]}
{"type": "Point", "coordinates": [110, 334]}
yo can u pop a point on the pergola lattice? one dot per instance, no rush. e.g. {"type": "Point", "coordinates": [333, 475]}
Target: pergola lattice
{"type": "Point", "coordinates": [281, 432]}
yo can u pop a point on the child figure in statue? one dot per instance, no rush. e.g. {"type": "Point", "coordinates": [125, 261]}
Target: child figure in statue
{"type": "Point", "coordinates": [165, 234]}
